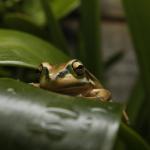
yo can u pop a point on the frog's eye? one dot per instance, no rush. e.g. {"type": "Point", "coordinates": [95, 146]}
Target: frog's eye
{"type": "Point", "coordinates": [78, 68]}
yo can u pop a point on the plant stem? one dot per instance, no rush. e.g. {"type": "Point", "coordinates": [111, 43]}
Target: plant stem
{"type": "Point", "coordinates": [90, 36]}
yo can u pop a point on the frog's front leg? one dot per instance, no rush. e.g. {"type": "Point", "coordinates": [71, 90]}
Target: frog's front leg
{"type": "Point", "coordinates": [103, 94]}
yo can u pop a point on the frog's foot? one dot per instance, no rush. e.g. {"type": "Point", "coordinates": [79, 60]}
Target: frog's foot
{"type": "Point", "coordinates": [35, 84]}
{"type": "Point", "coordinates": [103, 94]}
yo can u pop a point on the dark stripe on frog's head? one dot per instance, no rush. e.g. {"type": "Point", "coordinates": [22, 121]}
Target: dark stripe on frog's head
{"type": "Point", "coordinates": [62, 73]}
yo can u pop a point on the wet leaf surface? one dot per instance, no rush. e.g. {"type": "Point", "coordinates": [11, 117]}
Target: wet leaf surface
{"type": "Point", "coordinates": [32, 118]}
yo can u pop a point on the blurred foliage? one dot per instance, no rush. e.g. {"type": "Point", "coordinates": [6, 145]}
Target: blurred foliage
{"type": "Point", "coordinates": [138, 14]}
{"type": "Point", "coordinates": [21, 54]}
{"type": "Point", "coordinates": [32, 9]}
{"type": "Point", "coordinates": [56, 35]}
{"type": "Point", "coordinates": [90, 36]}
{"type": "Point", "coordinates": [29, 16]}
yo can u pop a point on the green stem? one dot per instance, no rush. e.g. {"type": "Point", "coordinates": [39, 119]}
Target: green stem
{"type": "Point", "coordinates": [132, 139]}
{"type": "Point", "coordinates": [138, 14]}
{"type": "Point", "coordinates": [90, 36]}
{"type": "Point", "coordinates": [56, 34]}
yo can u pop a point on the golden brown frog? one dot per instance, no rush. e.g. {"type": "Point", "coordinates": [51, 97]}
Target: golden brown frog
{"type": "Point", "coordinates": [73, 79]}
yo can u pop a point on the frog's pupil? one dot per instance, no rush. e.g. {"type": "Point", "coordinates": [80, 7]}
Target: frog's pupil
{"type": "Point", "coordinates": [79, 70]}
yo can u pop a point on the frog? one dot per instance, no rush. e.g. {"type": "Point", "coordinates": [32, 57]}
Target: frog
{"type": "Point", "coordinates": [74, 79]}
{"type": "Point", "coordinates": [71, 78]}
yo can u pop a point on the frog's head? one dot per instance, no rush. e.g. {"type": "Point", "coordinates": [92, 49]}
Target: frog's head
{"type": "Point", "coordinates": [70, 78]}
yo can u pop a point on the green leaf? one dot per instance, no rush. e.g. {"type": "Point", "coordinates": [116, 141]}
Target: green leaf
{"type": "Point", "coordinates": [18, 48]}
{"type": "Point", "coordinates": [138, 14]}
{"type": "Point", "coordinates": [32, 118]}
{"type": "Point", "coordinates": [60, 8]}
{"type": "Point", "coordinates": [90, 36]}
{"type": "Point", "coordinates": [138, 17]}
{"type": "Point", "coordinates": [20, 21]}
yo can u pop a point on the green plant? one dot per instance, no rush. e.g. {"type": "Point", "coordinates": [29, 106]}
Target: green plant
{"type": "Point", "coordinates": [32, 118]}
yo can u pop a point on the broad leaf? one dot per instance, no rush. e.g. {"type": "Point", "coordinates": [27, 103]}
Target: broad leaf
{"type": "Point", "coordinates": [18, 48]}
{"type": "Point", "coordinates": [32, 118]}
